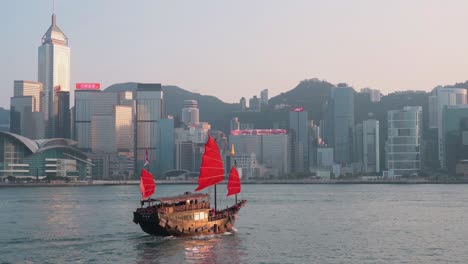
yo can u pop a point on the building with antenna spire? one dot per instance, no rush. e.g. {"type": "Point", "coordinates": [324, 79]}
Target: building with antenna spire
{"type": "Point", "coordinates": [53, 72]}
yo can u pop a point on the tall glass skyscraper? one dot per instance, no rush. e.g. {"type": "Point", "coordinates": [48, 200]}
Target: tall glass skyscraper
{"type": "Point", "coordinates": [299, 128]}
{"type": "Point", "coordinates": [343, 123]}
{"type": "Point", "coordinates": [149, 110]}
{"type": "Point", "coordinates": [404, 140]}
{"type": "Point", "coordinates": [53, 70]}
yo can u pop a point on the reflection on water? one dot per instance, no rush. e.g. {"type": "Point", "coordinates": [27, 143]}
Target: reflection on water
{"type": "Point", "coordinates": [206, 249]}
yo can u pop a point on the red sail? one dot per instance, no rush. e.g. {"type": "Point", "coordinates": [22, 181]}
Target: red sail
{"type": "Point", "coordinates": [234, 185]}
{"type": "Point", "coordinates": [147, 185]}
{"type": "Point", "coordinates": [212, 168]}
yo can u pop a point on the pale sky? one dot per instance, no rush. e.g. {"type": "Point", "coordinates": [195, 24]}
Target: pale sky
{"type": "Point", "coordinates": [231, 49]}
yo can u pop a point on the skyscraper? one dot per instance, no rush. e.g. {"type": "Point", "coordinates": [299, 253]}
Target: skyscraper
{"type": "Point", "coordinates": [26, 118]}
{"type": "Point", "coordinates": [62, 114]}
{"type": "Point", "coordinates": [440, 98]}
{"type": "Point", "coordinates": [53, 70]}
{"type": "Point", "coordinates": [404, 141]}
{"type": "Point", "coordinates": [149, 110]}
{"type": "Point", "coordinates": [89, 103]}
{"type": "Point", "coordinates": [299, 129]}
{"type": "Point", "coordinates": [371, 146]}
{"type": "Point", "coordinates": [264, 97]}
{"type": "Point", "coordinates": [254, 104]}
{"type": "Point", "coordinates": [343, 123]}
{"type": "Point", "coordinates": [190, 113]}
{"type": "Point", "coordinates": [243, 104]}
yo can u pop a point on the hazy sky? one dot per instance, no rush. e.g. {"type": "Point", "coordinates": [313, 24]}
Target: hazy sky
{"type": "Point", "coordinates": [236, 48]}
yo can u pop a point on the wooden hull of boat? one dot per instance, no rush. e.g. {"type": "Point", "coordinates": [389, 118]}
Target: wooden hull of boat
{"type": "Point", "coordinates": [158, 224]}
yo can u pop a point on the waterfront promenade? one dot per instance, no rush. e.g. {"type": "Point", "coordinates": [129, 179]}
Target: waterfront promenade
{"type": "Point", "coordinates": [275, 181]}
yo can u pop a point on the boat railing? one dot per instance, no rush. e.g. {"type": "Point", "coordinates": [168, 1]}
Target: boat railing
{"type": "Point", "coordinates": [188, 207]}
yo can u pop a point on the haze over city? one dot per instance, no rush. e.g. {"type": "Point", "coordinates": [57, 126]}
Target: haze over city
{"type": "Point", "coordinates": [229, 49]}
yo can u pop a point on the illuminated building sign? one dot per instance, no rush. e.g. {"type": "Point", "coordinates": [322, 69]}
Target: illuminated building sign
{"type": "Point", "coordinates": [88, 86]}
{"type": "Point", "coordinates": [297, 109]}
{"type": "Point", "coordinates": [259, 132]}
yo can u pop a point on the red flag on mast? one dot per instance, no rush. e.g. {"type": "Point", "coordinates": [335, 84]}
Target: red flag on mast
{"type": "Point", "coordinates": [234, 185]}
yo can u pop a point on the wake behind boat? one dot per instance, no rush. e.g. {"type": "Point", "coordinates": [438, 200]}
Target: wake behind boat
{"type": "Point", "coordinates": [190, 214]}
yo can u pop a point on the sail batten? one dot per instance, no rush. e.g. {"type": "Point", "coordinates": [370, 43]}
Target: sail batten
{"type": "Point", "coordinates": [234, 186]}
{"type": "Point", "coordinates": [212, 168]}
{"type": "Point", "coordinates": [147, 185]}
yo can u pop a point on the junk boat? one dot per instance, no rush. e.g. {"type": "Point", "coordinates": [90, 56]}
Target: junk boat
{"type": "Point", "coordinates": [190, 214]}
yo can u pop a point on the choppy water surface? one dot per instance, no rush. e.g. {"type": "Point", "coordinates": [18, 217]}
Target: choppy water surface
{"type": "Point", "coordinates": [280, 224]}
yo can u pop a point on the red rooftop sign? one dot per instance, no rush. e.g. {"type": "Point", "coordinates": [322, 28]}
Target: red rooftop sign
{"type": "Point", "coordinates": [88, 86]}
{"type": "Point", "coordinates": [297, 109]}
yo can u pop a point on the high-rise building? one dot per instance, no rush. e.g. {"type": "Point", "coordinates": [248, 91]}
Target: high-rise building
{"type": "Point", "coordinates": [124, 128]}
{"type": "Point", "coordinates": [404, 141]}
{"type": "Point", "coordinates": [30, 88]}
{"type": "Point", "coordinates": [190, 113]}
{"type": "Point", "coordinates": [299, 130]}
{"type": "Point", "coordinates": [149, 110]}
{"type": "Point", "coordinates": [264, 97]}
{"type": "Point", "coordinates": [26, 118]}
{"type": "Point", "coordinates": [269, 145]}
{"type": "Point", "coordinates": [343, 123]}
{"type": "Point", "coordinates": [103, 133]}
{"type": "Point", "coordinates": [254, 104]}
{"type": "Point", "coordinates": [166, 154]}
{"type": "Point", "coordinates": [235, 124]}
{"type": "Point", "coordinates": [371, 146]}
{"type": "Point", "coordinates": [89, 103]}
{"type": "Point", "coordinates": [53, 70]}
{"type": "Point", "coordinates": [243, 104]}
{"type": "Point", "coordinates": [440, 98]}
{"type": "Point", "coordinates": [62, 114]}
{"type": "Point", "coordinates": [455, 136]}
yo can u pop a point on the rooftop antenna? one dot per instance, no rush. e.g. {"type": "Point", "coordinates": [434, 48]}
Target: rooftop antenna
{"type": "Point", "coordinates": [53, 12]}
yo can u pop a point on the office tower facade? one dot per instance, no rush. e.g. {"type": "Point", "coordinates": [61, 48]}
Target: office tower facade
{"type": "Point", "coordinates": [254, 104]}
{"type": "Point", "coordinates": [455, 133]}
{"type": "Point", "coordinates": [299, 130]}
{"type": "Point", "coordinates": [26, 118]}
{"type": "Point", "coordinates": [235, 124]}
{"type": "Point", "coordinates": [30, 88]}
{"type": "Point", "coordinates": [371, 146]}
{"type": "Point", "coordinates": [149, 110]}
{"type": "Point", "coordinates": [166, 154]}
{"type": "Point", "coordinates": [89, 103]}
{"type": "Point", "coordinates": [53, 70]}
{"type": "Point", "coordinates": [243, 104]}
{"type": "Point", "coordinates": [124, 128]}
{"type": "Point", "coordinates": [190, 113]}
{"type": "Point", "coordinates": [102, 133]}
{"type": "Point", "coordinates": [403, 149]}
{"type": "Point", "coordinates": [440, 98]}
{"type": "Point", "coordinates": [343, 123]}
{"type": "Point", "coordinates": [264, 97]}
{"type": "Point", "coordinates": [61, 112]}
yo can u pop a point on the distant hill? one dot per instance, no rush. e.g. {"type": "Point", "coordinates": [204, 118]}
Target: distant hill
{"type": "Point", "coordinates": [212, 109]}
{"type": "Point", "coordinates": [310, 94]}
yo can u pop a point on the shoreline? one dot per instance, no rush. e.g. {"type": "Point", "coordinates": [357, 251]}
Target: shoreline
{"type": "Point", "coordinates": [188, 182]}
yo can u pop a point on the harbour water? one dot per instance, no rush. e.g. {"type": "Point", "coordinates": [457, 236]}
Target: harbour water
{"type": "Point", "coordinates": [418, 223]}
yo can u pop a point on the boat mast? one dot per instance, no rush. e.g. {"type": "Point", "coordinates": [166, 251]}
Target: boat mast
{"type": "Point", "coordinates": [235, 165]}
{"type": "Point", "coordinates": [215, 198]}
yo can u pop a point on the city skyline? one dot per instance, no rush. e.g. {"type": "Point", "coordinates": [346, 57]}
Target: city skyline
{"type": "Point", "coordinates": [405, 46]}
